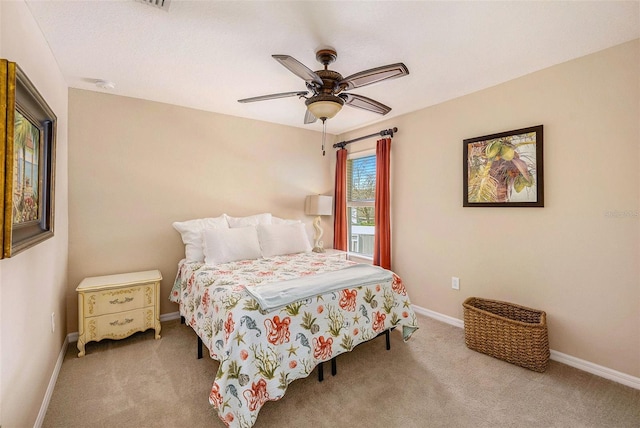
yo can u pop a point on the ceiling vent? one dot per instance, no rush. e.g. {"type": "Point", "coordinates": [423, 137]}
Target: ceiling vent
{"type": "Point", "coordinates": [160, 4]}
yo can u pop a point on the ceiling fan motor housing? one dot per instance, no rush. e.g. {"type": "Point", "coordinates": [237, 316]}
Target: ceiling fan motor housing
{"type": "Point", "coordinates": [330, 80]}
{"type": "Point", "coordinates": [326, 56]}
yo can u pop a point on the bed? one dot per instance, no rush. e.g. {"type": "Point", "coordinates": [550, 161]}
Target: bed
{"type": "Point", "coordinates": [265, 341]}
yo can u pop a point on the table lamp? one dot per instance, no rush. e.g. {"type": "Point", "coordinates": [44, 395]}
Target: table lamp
{"type": "Point", "coordinates": [318, 205]}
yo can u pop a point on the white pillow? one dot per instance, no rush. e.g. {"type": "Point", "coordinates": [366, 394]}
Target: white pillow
{"type": "Point", "coordinates": [191, 232]}
{"type": "Point", "coordinates": [278, 220]}
{"type": "Point", "coordinates": [252, 220]}
{"type": "Point", "coordinates": [279, 239]}
{"type": "Point", "coordinates": [229, 245]}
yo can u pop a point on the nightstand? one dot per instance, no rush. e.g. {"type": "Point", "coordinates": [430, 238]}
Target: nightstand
{"type": "Point", "coordinates": [116, 306]}
{"type": "Point", "coordinates": [333, 253]}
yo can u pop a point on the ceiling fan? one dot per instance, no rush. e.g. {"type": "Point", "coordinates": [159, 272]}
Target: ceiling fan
{"type": "Point", "coordinates": [325, 96]}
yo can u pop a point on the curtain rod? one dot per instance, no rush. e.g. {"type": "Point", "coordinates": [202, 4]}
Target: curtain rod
{"type": "Point", "coordinates": [382, 133]}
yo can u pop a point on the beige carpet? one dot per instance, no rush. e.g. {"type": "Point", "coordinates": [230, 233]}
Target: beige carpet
{"type": "Point", "coordinates": [431, 381]}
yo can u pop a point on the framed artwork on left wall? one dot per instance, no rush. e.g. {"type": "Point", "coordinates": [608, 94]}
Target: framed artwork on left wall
{"type": "Point", "coordinates": [27, 162]}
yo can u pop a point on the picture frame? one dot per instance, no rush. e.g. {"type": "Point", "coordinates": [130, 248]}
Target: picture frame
{"type": "Point", "coordinates": [27, 172]}
{"type": "Point", "coordinates": [504, 169]}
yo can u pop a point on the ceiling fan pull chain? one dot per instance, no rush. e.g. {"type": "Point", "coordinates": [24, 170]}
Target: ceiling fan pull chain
{"type": "Point", "coordinates": [324, 134]}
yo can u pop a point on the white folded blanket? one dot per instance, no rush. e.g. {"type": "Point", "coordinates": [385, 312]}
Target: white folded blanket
{"type": "Point", "coordinates": [274, 295]}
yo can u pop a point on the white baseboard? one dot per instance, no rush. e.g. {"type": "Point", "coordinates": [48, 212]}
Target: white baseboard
{"type": "Point", "coordinates": [587, 366]}
{"type": "Point", "coordinates": [170, 316]}
{"type": "Point", "coordinates": [595, 369]}
{"type": "Point", "coordinates": [52, 384]}
{"type": "Point", "coordinates": [438, 316]}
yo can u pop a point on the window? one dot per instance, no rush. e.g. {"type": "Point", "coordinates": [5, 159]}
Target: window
{"type": "Point", "coordinates": [361, 198]}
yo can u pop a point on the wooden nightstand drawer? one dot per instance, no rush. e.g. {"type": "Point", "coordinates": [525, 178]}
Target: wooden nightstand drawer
{"type": "Point", "coordinates": [120, 325]}
{"type": "Point", "coordinates": [110, 301]}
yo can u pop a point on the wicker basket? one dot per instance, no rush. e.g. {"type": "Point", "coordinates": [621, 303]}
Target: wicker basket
{"type": "Point", "coordinates": [510, 332]}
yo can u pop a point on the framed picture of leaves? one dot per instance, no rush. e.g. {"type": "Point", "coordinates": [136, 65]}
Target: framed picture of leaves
{"type": "Point", "coordinates": [504, 169]}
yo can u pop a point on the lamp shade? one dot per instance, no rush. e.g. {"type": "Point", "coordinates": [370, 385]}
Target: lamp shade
{"type": "Point", "coordinates": [324, 106]}
{"type": "Point", "coordinates": [318, 205]}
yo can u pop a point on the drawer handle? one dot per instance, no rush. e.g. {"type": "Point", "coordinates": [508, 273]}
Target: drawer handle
{"type": "Point", "coordinates": [126, 321]}
{"type": "Point", "coordinates": [119, 302]}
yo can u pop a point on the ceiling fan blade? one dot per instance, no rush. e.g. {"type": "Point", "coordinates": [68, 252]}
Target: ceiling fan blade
{"type": "Point", "coordinates": [273, 96]}
{"type": "Point", "coordinates": [374, 75]}
{"type": "Point", "coordinates": [309, 117]}
{"type": "Point", "coordinates": [298, 68]}
{"type": "Point", "coordinates": [365, 103]}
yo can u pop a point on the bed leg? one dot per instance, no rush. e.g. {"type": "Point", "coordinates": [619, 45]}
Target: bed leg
{"type": "Point", "coordinates": [386, 333]}
{"type": "Point", "coordinates": [334, 366]}
{"type": "Point", "coordinates": [182, 319]}
{"type": "Point", "coordinates": [199, 348]}
{"type": "Point", "coordinates": [320, 372]}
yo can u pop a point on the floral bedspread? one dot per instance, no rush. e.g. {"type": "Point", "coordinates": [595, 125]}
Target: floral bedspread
{"type": "Point", "coordinates": [261, 353]}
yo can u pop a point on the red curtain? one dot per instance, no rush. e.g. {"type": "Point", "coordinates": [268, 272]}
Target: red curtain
{"type": "Point", "coordinates": [382, 238]}
{"type": "Point", "coordinates": [340, 207]}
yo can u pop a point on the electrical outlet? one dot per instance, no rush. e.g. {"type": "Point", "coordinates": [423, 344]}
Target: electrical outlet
{"type": "Point", "coordinates": [53, 322]}
{"type": "Point", "coordinates": [455, 283]}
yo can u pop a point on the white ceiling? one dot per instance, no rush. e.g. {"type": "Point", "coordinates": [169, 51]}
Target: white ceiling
{"type": "Point", "coordinates": [208, 54]}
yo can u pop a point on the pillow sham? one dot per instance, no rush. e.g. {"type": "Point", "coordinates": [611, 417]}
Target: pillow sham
{"type": "Point", "coordinates": [191, 233]}
{"type": "Point", "coordinates": [252, 220]}
{"type": "Point", "coordinates": [280, 239]}
{"type": "Point", "coordinates": [230, 245]}
{"type": "Point", "coordinates": [278, 220]}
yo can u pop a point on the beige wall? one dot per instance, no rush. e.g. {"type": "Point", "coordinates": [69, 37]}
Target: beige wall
{"type": "Point", "coordinates": [137, 166]}
{"type": "Point", "coordinates": [133, 176]}
{"type": "Point", "coordinates": [33, 283]}
{"type": "Point", "coordinates": [568, 258]}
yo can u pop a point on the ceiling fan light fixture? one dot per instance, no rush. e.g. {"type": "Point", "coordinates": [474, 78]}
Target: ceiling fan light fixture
{"type": "Point", "coordinates": [324, 106]}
